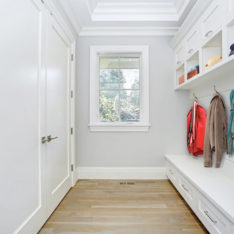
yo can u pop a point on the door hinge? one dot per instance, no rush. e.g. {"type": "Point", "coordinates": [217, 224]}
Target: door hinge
{"type": "Point", "coordinates": [72, 57]}
{"type": "Point", "coordinates": [71, 131]}
{"type": "Point", "coordinates": [72, 167]}
{"type": "Point", "coordinates": [71, 93]}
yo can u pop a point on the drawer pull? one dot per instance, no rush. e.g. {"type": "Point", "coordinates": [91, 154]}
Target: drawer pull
{"type": "Point", "coordinates": [171, 172]}
{"type": "Point", "coordinates": [207, 214]}
{"type": "Point", "coordinates": [190, 51]}
{"type": "Point", "coordinates": [208, 33]}
{"type": "Point", "coordinates": [185, 188]}
{"type": "Point", "coordinates": [179, 62]}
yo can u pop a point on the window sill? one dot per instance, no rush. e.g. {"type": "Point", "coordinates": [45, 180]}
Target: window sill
{"type": "Point", "coordinates": [119, 127]}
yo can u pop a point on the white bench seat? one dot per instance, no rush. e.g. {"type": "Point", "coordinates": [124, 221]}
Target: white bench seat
{"type": "Point", "coordinates": [208, 191]}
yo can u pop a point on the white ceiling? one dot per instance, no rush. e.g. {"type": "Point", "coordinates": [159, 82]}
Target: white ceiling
{"type": "Point", "coordinates": [123, 17]}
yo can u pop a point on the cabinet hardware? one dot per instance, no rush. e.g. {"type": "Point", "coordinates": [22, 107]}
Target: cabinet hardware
{"type": "Point", "coordinates": [179, 62]}
{"type": "Point", "coordinates": [71, 93]}
{"type": "Point", "coordinates": [190, 51]}
{"type": "Point", "coordinates": [72, 167]}
{"type": "Point", "coordinates": [71, 131]}
{"type": "Point", "coordinates": [49, 138]}
{"type": "Point", "coordinates": [185, 188]}
{"type": "Point", "coordinates": [207, 214]}
{"type": "Point", "coordinates": [208, 33]}
{"type": "Point", "coordinates": [43, 140]}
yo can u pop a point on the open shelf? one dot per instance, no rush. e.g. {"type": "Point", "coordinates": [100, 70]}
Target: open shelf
{"type": "Point", "coordinates": [211, 50]}
{"type": "Point", "coordinates": [179, 73]}
{"type": "Point", "coordinates": [192, 62]}
{"type": "Point", "coordinates": [219, 70]}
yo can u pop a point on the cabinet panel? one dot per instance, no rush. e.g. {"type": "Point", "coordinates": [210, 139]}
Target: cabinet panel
{"type": "Point", "coordinates": [211, 217]}
{"type": "Point", "coordinates": [193, 40]}
{"type": "Point", "coordinates": [180, 55]}
{"type": "Point", "coordinates": [213, 18]}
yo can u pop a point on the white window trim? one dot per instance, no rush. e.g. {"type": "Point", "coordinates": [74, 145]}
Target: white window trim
{"type": "Point", "coordinates": [94, 124]}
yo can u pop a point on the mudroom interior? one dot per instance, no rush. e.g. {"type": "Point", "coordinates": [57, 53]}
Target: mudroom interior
{"type": "Point", "coordinates": [117, 116]}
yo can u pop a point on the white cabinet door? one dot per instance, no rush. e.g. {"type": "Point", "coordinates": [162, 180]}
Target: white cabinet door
{"type": "Point", "coordinates": [58, 176]}
{"type": "Point", "coordinates": [213, 18]}
{"type": "Point", "coordinates": [22, 208]}
{"type": "Point", "coordinates": [180, 54]}
{"type": "Point", "coordinates": [193, 40]}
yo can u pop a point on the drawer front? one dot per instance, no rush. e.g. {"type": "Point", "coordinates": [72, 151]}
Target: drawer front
{"type": "Point", "coordinates": [193, 41]}
{"type": "Point", "coordinates": [213, 219]}
{"type": "Point", "coordinates": [180, 55]}
{"type": "Point", "coordinates": [188, 192]}
{"type": "Point", "coordinates": [172, 174]}
{"type": "Point", "coordinates": [213, 18]}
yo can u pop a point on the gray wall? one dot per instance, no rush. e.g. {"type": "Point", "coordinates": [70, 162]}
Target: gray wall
{"type": "Point", "coordinates": [168, 111]}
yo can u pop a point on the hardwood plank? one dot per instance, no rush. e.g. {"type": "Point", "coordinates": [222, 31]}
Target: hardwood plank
{"type": "Point", "coordinates": [109, 207]}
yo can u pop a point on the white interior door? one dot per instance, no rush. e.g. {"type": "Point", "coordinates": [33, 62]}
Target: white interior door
{"type": "Point", "coordinates": [22, 206]}
{"type": "Point", "coordinates": [58, 174]}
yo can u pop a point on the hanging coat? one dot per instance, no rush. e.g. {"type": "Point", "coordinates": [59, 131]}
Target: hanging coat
{"type": "Point", "coordinates": [216, 131]}
{"type": "Point", "coordinates": [196, 124]}
{"type": "Point", "coordinates": [230, 134]}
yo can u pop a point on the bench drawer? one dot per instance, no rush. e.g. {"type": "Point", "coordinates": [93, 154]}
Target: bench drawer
{"type": "Point", "coordinates": [187, 191]}
{"type": "Point", "coordinates": [212, 218]}
{"type": "Point", "coordinates": [172, 174]}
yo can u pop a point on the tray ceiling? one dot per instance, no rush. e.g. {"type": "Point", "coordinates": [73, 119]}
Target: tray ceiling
{"type": "Point", "coordinates": [125, 16]}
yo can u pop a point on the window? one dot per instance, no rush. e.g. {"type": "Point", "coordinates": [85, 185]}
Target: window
{"type": "Point", "coordinates": [119, 95]}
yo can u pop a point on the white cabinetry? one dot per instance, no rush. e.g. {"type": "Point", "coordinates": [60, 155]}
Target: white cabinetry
{"type": "Point", "coordinates": [192, 40]}
{"type": "Point", "coordinates": [206, 46]}
{"type": "Point", "coordinates": [208, 191]}
{"type": "Point", "coordinates": [212, 19]}
{"type": "Point", "coordinates": [180, 55]}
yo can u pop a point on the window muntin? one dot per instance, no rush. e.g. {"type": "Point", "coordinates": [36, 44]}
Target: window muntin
{"type": "Point", "coordinates": [119, 88]}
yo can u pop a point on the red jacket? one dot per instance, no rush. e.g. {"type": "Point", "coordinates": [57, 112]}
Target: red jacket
{"type": "Point", "coordinates": [196, 125]}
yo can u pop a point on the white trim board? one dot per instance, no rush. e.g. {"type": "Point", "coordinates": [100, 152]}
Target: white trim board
{"type": "Point", "coordinates": [124, 173]}
{"type": "Point", "coordinates": [128, 31]}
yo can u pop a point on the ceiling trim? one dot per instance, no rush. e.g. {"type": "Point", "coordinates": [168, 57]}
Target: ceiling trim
{"type": "Point", "coordinates": [71, 15]}
{"type": "Point", "coordinates": [128, 31]}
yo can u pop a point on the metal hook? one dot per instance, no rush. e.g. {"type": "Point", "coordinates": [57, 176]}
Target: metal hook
{"type": "Point", "coordinates": [194, 96]}
{"type": "Point", "coordinates": [215, 89]}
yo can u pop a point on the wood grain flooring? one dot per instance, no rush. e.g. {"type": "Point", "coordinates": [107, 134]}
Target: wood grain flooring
{"type": "Point", "coordinates": [118, 207]}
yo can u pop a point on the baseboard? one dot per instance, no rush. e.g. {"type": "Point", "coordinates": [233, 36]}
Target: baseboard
{"type": "Point", "coordinates": [75, 177]}
{"type": "Point", "coordinates": [115, 173]}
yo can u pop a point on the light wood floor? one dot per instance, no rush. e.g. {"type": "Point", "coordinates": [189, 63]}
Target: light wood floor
{"type": "Point", "coordinates": [109, 207]}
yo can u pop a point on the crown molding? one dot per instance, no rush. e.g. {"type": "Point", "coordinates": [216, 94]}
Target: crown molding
{"type": "Point", "coordinates": [53, 9]}
{"type": "Point", "coordinates": [128, 31]}
{"type": "Point", "coordinates": [190, 20]}
{"type": "Point", "coordinates": [71, 15]}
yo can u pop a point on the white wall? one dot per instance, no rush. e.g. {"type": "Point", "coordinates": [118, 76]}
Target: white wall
{"type": "Point", "coordinates": [168, 111]}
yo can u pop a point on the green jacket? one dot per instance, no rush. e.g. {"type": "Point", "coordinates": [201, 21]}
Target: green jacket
{"type": "Point", "coordinates": [230, 134]}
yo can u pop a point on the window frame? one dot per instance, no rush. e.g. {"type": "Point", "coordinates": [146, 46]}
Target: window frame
{"type": "Point", "coordinates": [95, 124]}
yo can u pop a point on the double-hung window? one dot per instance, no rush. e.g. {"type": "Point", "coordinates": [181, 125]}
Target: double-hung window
{"type": "Point", "coordinates": [119, 96]}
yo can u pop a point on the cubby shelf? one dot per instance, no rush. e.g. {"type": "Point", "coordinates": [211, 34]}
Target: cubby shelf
{"type": "Point", "coordinates": [218, 70]}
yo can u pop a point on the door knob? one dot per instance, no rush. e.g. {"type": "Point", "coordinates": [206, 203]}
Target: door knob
{"type": "Point", "coordinates": [49, 138]}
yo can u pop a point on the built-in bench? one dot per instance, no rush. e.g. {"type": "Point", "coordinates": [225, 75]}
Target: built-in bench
{"type": "Point", "coordinates": [208, 191]}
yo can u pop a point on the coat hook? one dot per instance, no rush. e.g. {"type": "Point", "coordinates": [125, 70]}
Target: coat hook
{"type": "Point", "coordinates": [215, 89]}
{"type": "Point", "coordinates": [194, 96]}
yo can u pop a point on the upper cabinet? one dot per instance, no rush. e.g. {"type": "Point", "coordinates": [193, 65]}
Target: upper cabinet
{"type": "Point", "coordinates": [212, 19]}
{"type": "Point", "coordinates": [204, 50]}
{"type": "Point", "coordinates": [192, 40]}
{"type": "Point", "coordinates": [180, 55]}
